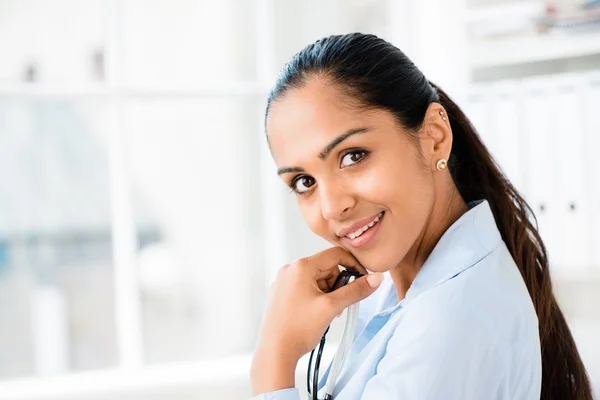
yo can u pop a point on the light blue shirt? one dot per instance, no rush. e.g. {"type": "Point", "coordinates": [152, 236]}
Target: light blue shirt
{"type": "Point", "coordinates": [467, 328]}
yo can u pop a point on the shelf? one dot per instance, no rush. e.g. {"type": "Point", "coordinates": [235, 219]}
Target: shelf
{"type": "Point", "coordinates": [120, 383]}
{"type": "Point", "coordinates": [531, 49]}
{"type": "Point", "coordinates": [202, 379]}
{"type": "Point", "coordinates": [504, 11]}
{"type": "Point", "coordinates": [58, 90]}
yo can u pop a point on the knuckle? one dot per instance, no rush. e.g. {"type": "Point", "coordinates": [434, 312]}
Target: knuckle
{"type": "Point", "coordinates": [302, 263]}
{"type": "Point", "coordinates": [337, 252]}
{"type": "Point", "coordinates": [282, 269]}
{"type": "Point", "coordinates": [340, 250]}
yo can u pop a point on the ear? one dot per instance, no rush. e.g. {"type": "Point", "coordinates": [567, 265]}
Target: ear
{"type": "Point", "coordinates": [436, 135]}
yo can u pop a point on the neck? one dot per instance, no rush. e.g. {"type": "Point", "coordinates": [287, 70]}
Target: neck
{"type": "Point", "coordinates": [442, 216]}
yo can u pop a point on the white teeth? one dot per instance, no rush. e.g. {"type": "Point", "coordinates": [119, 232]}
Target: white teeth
{"type": "Point", "coordinates": [364, 228]}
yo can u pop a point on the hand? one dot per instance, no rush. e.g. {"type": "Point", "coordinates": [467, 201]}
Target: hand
{"type": "Point", "coordinates": [299, 309]}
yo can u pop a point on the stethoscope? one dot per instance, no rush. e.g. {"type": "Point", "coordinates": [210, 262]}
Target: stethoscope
{"type": "Point", "coordinates": [343, 279]}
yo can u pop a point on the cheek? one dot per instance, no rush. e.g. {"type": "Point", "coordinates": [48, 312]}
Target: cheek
{"type": "Point", "coordinates": [405, 188]}
{"type": "Point", "coordinates": [413, 196]}
{"type": "Point", "coordinates": [311, 213]}
{"type": "Point", "coordinates": [392, 183]}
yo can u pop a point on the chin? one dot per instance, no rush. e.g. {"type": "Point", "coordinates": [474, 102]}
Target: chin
{"type": "Point", "coordinates": [375, 263]}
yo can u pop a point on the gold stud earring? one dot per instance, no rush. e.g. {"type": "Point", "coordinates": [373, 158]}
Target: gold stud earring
{"type": "Point", "coordinates": [441, 164]}
{"type": "Point", "coordinates": [442, 114]}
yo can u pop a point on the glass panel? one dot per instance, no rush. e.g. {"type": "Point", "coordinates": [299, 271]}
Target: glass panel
{"type": "Point", "coordinates": [37, 40]}
{"type": "Point", "coordinates": [195, 169]}
{"type": "Point", "coordinates": [56, 275]}
{"type": "Point", "coordinates": [189, 42]}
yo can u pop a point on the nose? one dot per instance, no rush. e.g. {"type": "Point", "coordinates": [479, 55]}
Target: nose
{"type": "Point", "coordinates": [336, 201]}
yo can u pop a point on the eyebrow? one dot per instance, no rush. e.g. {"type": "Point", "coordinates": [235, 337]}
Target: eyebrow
{"type": "Point", "coordinates": [327, 150]}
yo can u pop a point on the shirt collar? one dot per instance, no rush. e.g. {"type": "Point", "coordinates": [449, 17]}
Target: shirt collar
{"type": "Point", "coordinates": [473, 236]}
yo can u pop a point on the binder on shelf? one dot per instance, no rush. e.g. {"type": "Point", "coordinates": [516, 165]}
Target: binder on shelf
{"type": "Point", "coordinates": [507, 144]}
{"type": "Point", "coordinates": [477, 108]}
{"type": "Point", "coordinates": [568, 113]}
{"type": "Point", "coordinates": [539, 165]}
{"type": "Point", "coordinates": [591, 164]}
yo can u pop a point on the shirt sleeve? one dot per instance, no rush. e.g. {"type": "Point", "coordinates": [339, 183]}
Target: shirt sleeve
{"type": "Point", "coordinates": [440, 353]}
{"type": "Point", "coordinates": [283, 394]}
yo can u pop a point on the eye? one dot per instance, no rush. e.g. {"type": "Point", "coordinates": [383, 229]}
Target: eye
{"type": "Point", "coordinates": [353, 157]}
{"type": "Point", "coordinates": [302, 184]}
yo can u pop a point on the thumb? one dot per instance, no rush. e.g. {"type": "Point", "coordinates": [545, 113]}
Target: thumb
{"type": "Point", "coordinates": [355, 291]}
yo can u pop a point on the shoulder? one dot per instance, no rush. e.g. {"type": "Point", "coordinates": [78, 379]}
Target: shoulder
{"type": "Point", "coordinates": [487, 302]}
{"type": "Point", "coordinates": [468, 331]}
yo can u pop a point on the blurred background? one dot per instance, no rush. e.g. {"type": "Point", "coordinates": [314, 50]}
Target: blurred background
{"type": "Point", "coordinates": [141, 218]}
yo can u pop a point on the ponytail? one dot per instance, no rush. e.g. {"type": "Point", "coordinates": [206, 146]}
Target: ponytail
{"type": "Point", "coordinates": [477, 176]}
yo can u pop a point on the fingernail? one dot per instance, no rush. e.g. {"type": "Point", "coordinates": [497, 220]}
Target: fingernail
{"type": "Point", "coordinates": [374, 280]}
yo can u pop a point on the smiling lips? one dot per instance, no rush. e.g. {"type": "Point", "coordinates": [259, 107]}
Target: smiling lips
{"type": "Point", "coordinates": [360, 235]}
{"type": "Point", "coordinates": [363, 229]}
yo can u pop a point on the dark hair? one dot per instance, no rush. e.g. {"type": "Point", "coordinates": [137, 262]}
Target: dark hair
{"type": "Point", "coordinates": [378, 75]}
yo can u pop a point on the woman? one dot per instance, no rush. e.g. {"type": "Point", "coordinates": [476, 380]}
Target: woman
{"type": "Point", "coordinates": [392, 173]}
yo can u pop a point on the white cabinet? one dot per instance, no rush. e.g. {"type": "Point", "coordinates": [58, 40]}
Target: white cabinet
{"type": "Point", "coordinates": [543, 132]}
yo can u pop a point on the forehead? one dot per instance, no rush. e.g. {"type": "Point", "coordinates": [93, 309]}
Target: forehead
{"type": "Point", "coordinates": [306, 119]}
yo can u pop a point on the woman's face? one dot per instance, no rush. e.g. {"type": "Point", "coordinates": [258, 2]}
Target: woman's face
{"type": "Point", "coordinates": [359, 179]}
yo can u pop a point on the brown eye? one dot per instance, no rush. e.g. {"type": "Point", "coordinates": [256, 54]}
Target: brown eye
{"type": "Point", "coordinates": [303, 184]}
{"type": "Point", "coordinates": [353, 157]}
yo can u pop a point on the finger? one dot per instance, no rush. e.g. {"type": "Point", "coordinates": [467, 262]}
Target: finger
{"type": "Point", "coordinates": [327, 263]}
{"type": "Point", "coordinates": [355, 291]}
{"type": "Point", "coordinates": [322, 279]}
{"type": "Point", "coordinates": [325, 281]}
{"type": "Point", "coordinates": [329, 282]}
{"type": "Point", "coordinates": [323, 267]}
{"type": "Point", "coordinates": [329, 259]}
